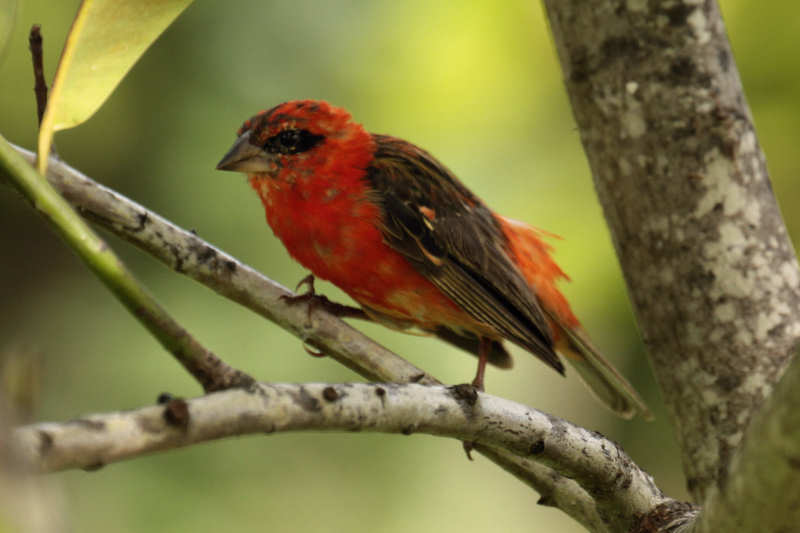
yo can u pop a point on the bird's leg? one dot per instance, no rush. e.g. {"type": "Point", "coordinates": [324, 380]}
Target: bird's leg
{"type": "Point", "coordinates": [483, 356]}
{"type": "Point", "coordinates": [315, 300]}
{"type": "Point", "coordinates": [484, 348]}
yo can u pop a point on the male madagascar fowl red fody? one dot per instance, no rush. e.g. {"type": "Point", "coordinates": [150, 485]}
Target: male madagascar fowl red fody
{"type": "Point", "coordinates": [393, 228]}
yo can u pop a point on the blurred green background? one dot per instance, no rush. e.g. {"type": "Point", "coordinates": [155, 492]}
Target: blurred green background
{"type": "Point", "coordinates": [477, 84]}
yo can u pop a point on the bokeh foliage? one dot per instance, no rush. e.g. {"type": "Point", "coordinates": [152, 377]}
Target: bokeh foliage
{"type": "Point", "coordinates": [477, 84]}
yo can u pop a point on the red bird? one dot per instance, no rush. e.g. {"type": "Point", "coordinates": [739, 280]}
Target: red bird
{"type": "Point", "coordinates": [393, 228]}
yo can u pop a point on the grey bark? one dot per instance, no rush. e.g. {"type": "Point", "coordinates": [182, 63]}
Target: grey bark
{"type": "Point", "coordinates": [763, 490]}
{"type": "Point", "coordinates": [622, 491]}
{"type": "Point", "coordinates": [685, 191]}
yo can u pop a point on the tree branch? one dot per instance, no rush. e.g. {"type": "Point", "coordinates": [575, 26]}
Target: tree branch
{"type": "Point", "coordinates": [597, 464]}
{"type": "Point", "coordinates": [554, 489]}
{"type": "Point", "coordinates": [40, 87]}
{"type": "Point", "coordinates": [210, 371]}
{"type": "Point", "coordinates": [684, 187]}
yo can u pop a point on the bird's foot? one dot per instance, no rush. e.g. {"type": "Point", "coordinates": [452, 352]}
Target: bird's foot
{"type": "Point", "coordinates": [318, 301]}
{"type": "Point", "coordinates": [307, 296]}
{"type": "Point", "coordinates": [466, 393]}
{"type": "Point", "coordinates": [468, 447]}
{"type": "Point", "coordinates": [471, 395]}
{"type": "Point", "coordinates": [315, 301]}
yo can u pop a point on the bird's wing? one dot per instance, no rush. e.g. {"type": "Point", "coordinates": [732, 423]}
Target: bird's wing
{"type": "Point", "coordinates": [455, 241]}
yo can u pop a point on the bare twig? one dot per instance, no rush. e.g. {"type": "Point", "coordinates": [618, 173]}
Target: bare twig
{"type": "Point", "coordinates": [40, 87]}
{"type": "Point", "coordinates": [207, 368]}
{"type": "Point", "coordinates": [597, 464]}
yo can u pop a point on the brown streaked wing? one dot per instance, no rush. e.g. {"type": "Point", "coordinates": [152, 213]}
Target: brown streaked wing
{"type": "Point", "coordinates": [453, 239]}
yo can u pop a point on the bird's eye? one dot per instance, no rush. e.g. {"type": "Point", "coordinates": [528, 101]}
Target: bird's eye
{"type": "Point", "coordinates": [288, 139]}
{"type": "Point", "coordinates": [292, 141]}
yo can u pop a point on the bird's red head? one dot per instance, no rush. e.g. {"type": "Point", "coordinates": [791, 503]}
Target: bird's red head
{"type": "Point", "coordinates": [296, 134]}
{"type": "Point", "coordinates": [318, 117]}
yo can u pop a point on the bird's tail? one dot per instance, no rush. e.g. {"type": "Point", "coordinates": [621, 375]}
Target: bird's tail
{"type": "Point", "coordinates": [602, 379]}
{"type": "Point", "coordinates": [542, 273]}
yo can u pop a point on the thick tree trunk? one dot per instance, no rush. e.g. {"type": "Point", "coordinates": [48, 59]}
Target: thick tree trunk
{"type": "Point", "coordinates": [762, 489]}
{"type": "Point", "coordinates": [684, 187]}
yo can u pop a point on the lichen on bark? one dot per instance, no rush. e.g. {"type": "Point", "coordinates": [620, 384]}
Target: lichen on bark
{"type": "Point", "coordinates": [685, 190]}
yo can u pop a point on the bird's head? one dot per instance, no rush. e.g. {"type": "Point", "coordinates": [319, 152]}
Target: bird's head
{"type": "Point", "coordinates": [297, 134]}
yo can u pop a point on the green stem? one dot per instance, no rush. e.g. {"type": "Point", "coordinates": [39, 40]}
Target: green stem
{"type": "Point", "coordinates": [207, 368]}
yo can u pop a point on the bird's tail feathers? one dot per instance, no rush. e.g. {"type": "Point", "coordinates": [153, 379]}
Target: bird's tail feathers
{"type": "Point", "coordinates": [596, 372]}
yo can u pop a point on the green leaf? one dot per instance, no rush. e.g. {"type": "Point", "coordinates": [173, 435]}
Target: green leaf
{"type": "Point", "coordinates": [106, 39]}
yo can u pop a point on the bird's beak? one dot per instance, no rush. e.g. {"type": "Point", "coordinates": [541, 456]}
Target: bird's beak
{"type": "Point", "coordinates": [246, 157]}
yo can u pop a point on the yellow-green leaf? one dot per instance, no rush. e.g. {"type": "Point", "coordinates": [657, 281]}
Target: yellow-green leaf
{"type": "Point", "coordinates": [106, 39]}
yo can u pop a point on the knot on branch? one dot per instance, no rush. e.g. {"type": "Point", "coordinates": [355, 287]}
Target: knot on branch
{"type": "Point", "coordinates": [669, 517]}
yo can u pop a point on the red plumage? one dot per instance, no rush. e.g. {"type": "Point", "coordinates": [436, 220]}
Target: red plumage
{"type": "Point", "coordinates": [395, 229]}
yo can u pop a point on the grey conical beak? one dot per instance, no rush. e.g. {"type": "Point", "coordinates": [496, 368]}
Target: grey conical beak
{"type": "Point", "coordinates": [245, 157]}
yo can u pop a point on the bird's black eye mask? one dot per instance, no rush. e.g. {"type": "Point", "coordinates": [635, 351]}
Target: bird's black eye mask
{"type": "Point", "coordinates": [292, 141]}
